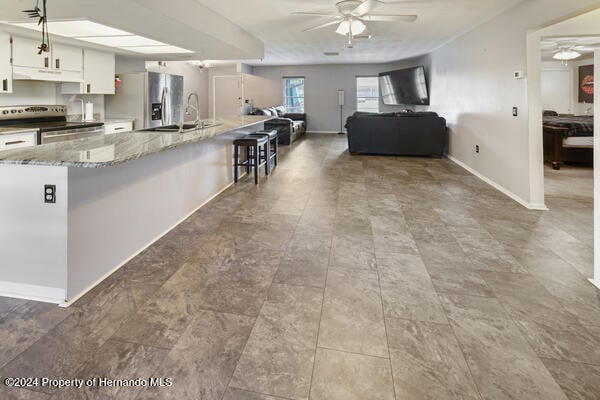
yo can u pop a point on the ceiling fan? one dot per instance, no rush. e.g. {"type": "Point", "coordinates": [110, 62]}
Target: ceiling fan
{"type": "Point", "coordinates": [351, 18]}
{"type": "Point", "coordinates": [566, 50]}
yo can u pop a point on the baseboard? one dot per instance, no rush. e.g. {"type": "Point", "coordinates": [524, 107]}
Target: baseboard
{"type": "Point", "coordinates": [67, 303]}
{"type": "Point", "coordinates": [500, 188]}
{"type": "Point", "coordinates": [595, 282]}
{"type": "Point", "coordinates": [26, 291]}
{"type": "Point", "coordinates": [323, 132]}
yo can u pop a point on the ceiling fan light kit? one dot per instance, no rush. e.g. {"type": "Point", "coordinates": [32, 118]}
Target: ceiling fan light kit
{"type": "Point", "coordinates": [356, 27]}
{"type": "Point", "coordinates": [566, 55]}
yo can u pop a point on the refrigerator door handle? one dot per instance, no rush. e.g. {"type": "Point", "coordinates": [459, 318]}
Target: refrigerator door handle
{"type": "Point", "coordinates": [163, 105]}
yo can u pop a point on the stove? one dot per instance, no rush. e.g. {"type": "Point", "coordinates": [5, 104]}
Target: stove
{"type": "Point", "coordinates": [50, 122]}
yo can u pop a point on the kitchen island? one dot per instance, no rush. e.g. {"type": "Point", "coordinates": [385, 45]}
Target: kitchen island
{"type": "Point", "coordinates": [114, 196]}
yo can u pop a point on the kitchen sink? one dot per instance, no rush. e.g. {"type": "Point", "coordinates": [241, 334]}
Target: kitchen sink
{"type": "Point", "coordinates": [185, 128]}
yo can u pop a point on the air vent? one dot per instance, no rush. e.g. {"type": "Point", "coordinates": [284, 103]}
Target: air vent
{"type": "Point", "coordinates": [331, 53]}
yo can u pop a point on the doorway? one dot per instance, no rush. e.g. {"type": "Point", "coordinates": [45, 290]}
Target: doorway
{"type": "Point", "coordinates": [559, 57]}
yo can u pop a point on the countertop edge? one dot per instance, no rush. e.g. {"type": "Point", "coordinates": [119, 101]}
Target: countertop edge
{"type": "Point", "coordinates": [84, 164]}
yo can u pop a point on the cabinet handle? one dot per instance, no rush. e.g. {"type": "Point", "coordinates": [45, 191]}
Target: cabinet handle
{"type": "Point", "coordinates": [88, 88]}
{"type": "Point", "coordinates": [46, 62]}
{"type": "Point", "coordinates": [58, 63]}
{"type": "Point", "coordinates": [15, 142]}
{"type": "Point", "coordinates": [5, 85]}
{"type": "Point", "coordinates": [118, 129]}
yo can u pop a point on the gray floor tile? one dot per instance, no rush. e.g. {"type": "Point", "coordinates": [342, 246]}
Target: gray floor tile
{"type": "Point", "coordinates": [571, 343]}
{"type": "Point", "coordinates": [578, 381]}
{"type": "Point", "coordinates": [501, 361]}
{"type": "Point", "coordinates": [427, 362]}
{"type": "Point", "coordinates": [279, 355]}
{"type": "Point", "coordinates": [352, 318]}
{"type": "Point", "coordinates": [345, 376]}
{"type": "Point", "coordinates": [204, 358]}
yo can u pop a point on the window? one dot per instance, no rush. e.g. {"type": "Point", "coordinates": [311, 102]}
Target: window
{"type": "Point", "coordinates": [293, 94]}
{"type": "Point", "coordinates": [367, 93]}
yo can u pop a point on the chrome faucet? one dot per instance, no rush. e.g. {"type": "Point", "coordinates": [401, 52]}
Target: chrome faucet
{"type": "Point", "coordinates": [190, 107]}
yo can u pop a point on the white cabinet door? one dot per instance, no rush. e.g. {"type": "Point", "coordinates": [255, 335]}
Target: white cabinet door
{"type": "Point", "coordinates": [5, 65]}
{"type": "Point", "coordinates": [25, 54]}
{"type": "Point", "coordinates": [98, 72]}
{"type": "Point", "coordinates": [111, 128]}
{"type": "Point", "coordinates": [67, 58]}
{"type": "Point", "coordinates": [18, 140]}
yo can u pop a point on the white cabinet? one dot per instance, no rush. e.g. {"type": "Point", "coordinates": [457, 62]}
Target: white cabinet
{"type": "Point", "coordinates": [5, 65]}
{"type": "Point", "coordinates": [25, 54]}
{"type": "Point", "coordinates": [67, 58]}
{"type": "Point", "coordinates": [18, 140]}
{"type": "Point", "coordinates": [117, 127]}
{"type": "Point", "coordinates": [98, 74]}
{"type": "Point", "coordinates": [63, 63]}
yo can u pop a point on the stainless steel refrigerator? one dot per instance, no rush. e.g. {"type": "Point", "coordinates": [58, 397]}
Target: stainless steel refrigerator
{"type": "Point", "coordinates": [152, 99]}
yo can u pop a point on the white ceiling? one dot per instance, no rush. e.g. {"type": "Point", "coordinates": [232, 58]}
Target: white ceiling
{"type": "Point", "coordinates": [272, 22]}
{"type": "Point", "coordinates": [237, 29]}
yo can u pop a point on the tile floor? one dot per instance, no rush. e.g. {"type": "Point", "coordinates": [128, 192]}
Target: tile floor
{"type": "Point", "coordinates": [341, 277]}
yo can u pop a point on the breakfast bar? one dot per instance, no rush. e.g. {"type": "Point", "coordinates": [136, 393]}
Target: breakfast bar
{"type": "Point", "coordinates": [74, 212]}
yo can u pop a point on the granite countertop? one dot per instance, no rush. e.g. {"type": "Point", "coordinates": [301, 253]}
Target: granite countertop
{"type": "Point", "coordinates": [107, 150]}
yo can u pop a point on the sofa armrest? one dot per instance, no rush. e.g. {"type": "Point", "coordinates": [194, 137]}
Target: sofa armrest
{"type": "Point", "coordinates": [295, 116]}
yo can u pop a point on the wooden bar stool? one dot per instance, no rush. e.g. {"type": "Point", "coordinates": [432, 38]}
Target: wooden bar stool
{"type": "Point", "coordinates": [273, 147]}
{"type": "Point", "coordinates": [253, 145]}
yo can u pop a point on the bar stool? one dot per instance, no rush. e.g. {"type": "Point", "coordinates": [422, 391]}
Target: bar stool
{"type": "Point", "coordinates": [252, 144]}
{"type": "Point", "coordinates": [273, 147]}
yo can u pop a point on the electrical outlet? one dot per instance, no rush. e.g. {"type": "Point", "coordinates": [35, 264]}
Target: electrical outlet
{"type": "Point", "coordinates": [50, 194]}
{"type": "Point", "coordinates": [515, 112]}
{"type": "Point", "coordinates": [477, 148]}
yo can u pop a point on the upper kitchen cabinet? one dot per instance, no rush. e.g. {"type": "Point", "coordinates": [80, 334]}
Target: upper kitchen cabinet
{"type": "Point", "coordinates": [5, 65]}
{"type": "Point", "coordinates": [63, 63]}
{"type": "Point", "coordinates": [98, 74]}
{"type": "Point", "coordinates": [25, 54]}
{"type": "Point", "coordinates": [67, 58]}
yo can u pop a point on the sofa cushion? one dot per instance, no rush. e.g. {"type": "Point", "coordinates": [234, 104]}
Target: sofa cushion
{"type": "Point", "coordinates": [280, 110]}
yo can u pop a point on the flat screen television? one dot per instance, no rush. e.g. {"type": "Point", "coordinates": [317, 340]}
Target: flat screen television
{"type": "Point", "coordinates": [404, 86]}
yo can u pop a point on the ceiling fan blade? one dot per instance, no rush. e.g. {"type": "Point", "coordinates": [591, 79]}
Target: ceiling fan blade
{"type": "Point", "coordinates": [365, 7]}
{"type": "Point", "coordinates": [389, 18]}
{"type": "Point", "coordinates": [326, 24]}
{"type": "Point", "coordinates": [317, 15]}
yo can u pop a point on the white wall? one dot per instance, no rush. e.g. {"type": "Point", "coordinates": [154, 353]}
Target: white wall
{"type": "Point", "coordinates": [195, 79]}
{"type": "Point", "coordinates": [321, 85]}
{"type": "Point", "coordinates": [472, 86]}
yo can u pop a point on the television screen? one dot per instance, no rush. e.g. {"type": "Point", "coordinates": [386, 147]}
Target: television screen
{"type": "Point", "coordinates": [405, 86]}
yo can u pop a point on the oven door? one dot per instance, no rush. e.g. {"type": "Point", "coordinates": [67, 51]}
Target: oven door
{"type": "Point", "coordinates": [71, 134]}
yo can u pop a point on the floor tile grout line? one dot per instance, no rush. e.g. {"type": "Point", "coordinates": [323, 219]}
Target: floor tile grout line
{"type": "Point", "coordinates": [385, 324]}
{"type": "Point", "coordinates": [352, 352]}
{"type": "Point", "coordinates": [462, 351]}
{"type": "Point", "coordinates": [261, 307]}
{"type": "Point", "coordinates": [312, 375]}
{"type": "Point", "coordinates": [259, 393]}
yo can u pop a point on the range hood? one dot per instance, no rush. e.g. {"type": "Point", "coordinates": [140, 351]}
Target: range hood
{"type": "Point", "coordinates": [45, 74]}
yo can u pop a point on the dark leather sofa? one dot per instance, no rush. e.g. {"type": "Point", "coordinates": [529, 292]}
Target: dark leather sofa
{"type": "Point", "coordinates": [404, 133]}
{"type": "Point", "coordinates": [289, 126]}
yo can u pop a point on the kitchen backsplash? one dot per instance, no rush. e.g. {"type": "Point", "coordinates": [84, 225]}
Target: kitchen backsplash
{"type": "Point", "coordinates": [39, 92]}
